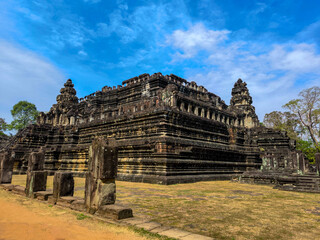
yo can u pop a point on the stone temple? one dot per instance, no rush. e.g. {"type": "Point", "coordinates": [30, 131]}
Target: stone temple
{"type": "Point", "coordinates": [167, 130]}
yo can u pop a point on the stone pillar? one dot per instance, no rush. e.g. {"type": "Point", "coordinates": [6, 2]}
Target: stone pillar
{"type": "Point", "coordinates": [196, 111]}
{"type": "Point", "coordinates": [317, 160]}
{"type": "Point", "coordinates": [294, 160]}
{"type": "Point", "coordinates": [218, 117]}
{"type": "Point", "coordinates": [6, 167]}
{"type": "Point", "coordinates": [36, 176]}
{"type": "Point", "coordinates": [100, 186]}
{"type": "Point", "coordinates": [182, 106]}
{"type": "Point", "coordinates": [63, 185]}
{"type": "Point", "coordinates": [189, 108]}
{"type": "Point", "coordinates": [301, 163]}
{"type": "Point", "coordinates": [208, 114]}
{"type": "Point", "coordinates": [202, 112]}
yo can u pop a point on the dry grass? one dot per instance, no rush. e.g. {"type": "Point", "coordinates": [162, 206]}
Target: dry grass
{"type": "Point", "coordinates": [221, 209]}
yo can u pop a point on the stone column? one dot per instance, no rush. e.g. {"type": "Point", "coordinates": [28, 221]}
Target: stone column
{"type": "Point", "coordinates": [182, 106]}
{"type": "Point", "coordinates": [189, 108]}
{"type": "Point", "coordinates": [100, 186]}
{"type": "Point", "coordinates": [196, 111]}
{"type": "Point", "coordinates": [36, 176]}
{"type": "Point", "coordinates": [294, 160]}
{"type": "Point", "coordinates": [202, 112]}
{"type": "Point", "coordinates": [6, 167]}
{"type": "Point", "coordinates": [301, 163]}
{"type": "Point", "coordinates": [317, 159]}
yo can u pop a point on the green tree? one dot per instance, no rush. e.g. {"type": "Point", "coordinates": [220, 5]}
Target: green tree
{"type": "Point", "coordinates": [3, 126]}
{"type": "Point", "coordinates": [284, 121]}
{"type": "Point", "coordinates": [307, 109]}
{"type": "Point", "coordinates": [23, 113]}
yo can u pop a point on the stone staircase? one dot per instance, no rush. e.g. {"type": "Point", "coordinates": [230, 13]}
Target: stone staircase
{"type": "Point", "coordinates": [301, 183]}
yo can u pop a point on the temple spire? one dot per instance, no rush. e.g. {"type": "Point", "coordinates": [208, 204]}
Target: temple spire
{"type": "Point", "coordinates": [242, 102]}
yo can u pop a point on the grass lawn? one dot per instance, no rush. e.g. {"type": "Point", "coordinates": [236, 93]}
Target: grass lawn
{"type": "Point", "coordinates": [220, 209]}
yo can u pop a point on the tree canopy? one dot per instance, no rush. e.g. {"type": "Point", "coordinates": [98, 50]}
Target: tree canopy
{"type": "Point", "coordinates": [23, 114]}
{"type": "Point", "coordinates": [301, 121]}
{"type": "Point", "coordinates": [3, 126]}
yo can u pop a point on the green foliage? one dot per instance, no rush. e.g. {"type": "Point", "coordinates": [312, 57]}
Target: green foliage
{"type": "Point", "coordinates": [284, 121]}
{"type": "Point", "coordinates": [23, 114]}
{"type": "Point", "coordinates": [308, 148]}
{"type": "Point", "coordinates": [81, 216]}
{"type": "Point", "coordinates": [307, 111]}
{"type": "Point", "coordinates": [301, 122]}
{"type": "Point", "coordinates": [3, 126]}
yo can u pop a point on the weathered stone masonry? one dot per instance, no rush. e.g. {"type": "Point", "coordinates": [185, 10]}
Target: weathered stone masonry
{"type": "Point", "coordinates": [168, 130]}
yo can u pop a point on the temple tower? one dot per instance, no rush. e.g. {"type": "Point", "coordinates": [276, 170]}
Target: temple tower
{"type": "Point", "coordinates": [241, 101]}
{"type": "Point", "coordinates": [67, 95]}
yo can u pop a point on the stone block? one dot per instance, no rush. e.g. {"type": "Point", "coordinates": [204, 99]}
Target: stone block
{"type": "Point", "coordinates": [103, 159]}
{"type": "Point", "coordinates": [78, 205]}
{"type": "Point", "coordinates": [6, 168]}
{"type": "Point", "coordinates": [63, 184]}
{"type": "Point", "coordinates": [100, 188]}
{"type": "Point", "coordinates": [19, 190]}
{"type": "Point", "coordinates": [36, 161]}
{"type": "Point", "coordinates": [115, 212]}
{"type": "Point", "coordinates": [7, 187]}
{"type": "Point", "coordinates": [302, 164]}
{"type": "Point", "coordinates": [51, 200]}
{"type": "Point", "coordinates": [317, 162]}
{"type": "Point", "coordinates": [36, 181]}
{"type": "Point", "coordinates": [42, 195]}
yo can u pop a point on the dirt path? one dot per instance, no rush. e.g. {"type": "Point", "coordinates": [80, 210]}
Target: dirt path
{"type": "Point", "coordinates": [24, 219]}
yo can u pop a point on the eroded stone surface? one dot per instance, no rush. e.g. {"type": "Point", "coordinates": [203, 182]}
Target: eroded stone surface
{"type": "Point", "coordinates": [168, 131]}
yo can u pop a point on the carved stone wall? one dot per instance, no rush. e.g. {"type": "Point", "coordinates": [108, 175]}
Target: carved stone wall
{"type": "Point", "coordinates": [168, 130]}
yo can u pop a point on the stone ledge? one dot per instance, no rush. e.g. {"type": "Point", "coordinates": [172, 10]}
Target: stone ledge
{"type": "Point", "coordinates": [66, 201]}
{"type": "Point", "coordinates": [7, 186]}
{"type": "Point", "coordinates": [43, 195]}
{"type": "Point", "coordinates": [19, 190]}
{"type": "Point", "coordinates": [196, 237]}
{"type": "Point", "coordinates": [149, 225]}
{"type": "Point", "coordinates": [115, 212]}
{"type": "Point", "coordinates": [175, 233]}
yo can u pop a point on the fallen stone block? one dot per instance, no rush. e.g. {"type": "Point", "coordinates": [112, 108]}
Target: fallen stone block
{"type": "Point", "coordinates": [7, 187]}
{"type": "Point", "coordinates": [78, 205]}
{"type": "Point", "coordinates": [115, 212]}
{"type": "Point", "coordinates": [43, 195]}
{"type": "Point", "coordinates": [52, 200]}
{"type": "Point", "coordinates": [67, 201]}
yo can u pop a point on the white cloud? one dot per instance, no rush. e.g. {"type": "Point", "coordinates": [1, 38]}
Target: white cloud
{"type": "Point", "coordinates": [26, 76]}
{"type": "Point", "coordinates": [147, 24]}
{"type": "Point", "coordinates": [273, 73]}
{"type": "Point", "coordinates": [196, 38]}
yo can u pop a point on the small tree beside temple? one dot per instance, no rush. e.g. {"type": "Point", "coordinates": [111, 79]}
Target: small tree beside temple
{"type": "Point", "coordinates": [23, 113]}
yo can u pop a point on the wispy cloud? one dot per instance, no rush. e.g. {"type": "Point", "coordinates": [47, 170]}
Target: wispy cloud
{"type": "Point", "coordinates": [269, 70]}
{"type": "Point", "coordinates": [26, 76]}
{"type": "Point", "coordinates": [195, 39]}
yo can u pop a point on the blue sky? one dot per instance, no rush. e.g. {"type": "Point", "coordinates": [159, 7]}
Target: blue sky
{"type": "Point", "coordinates": [272, 45]}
